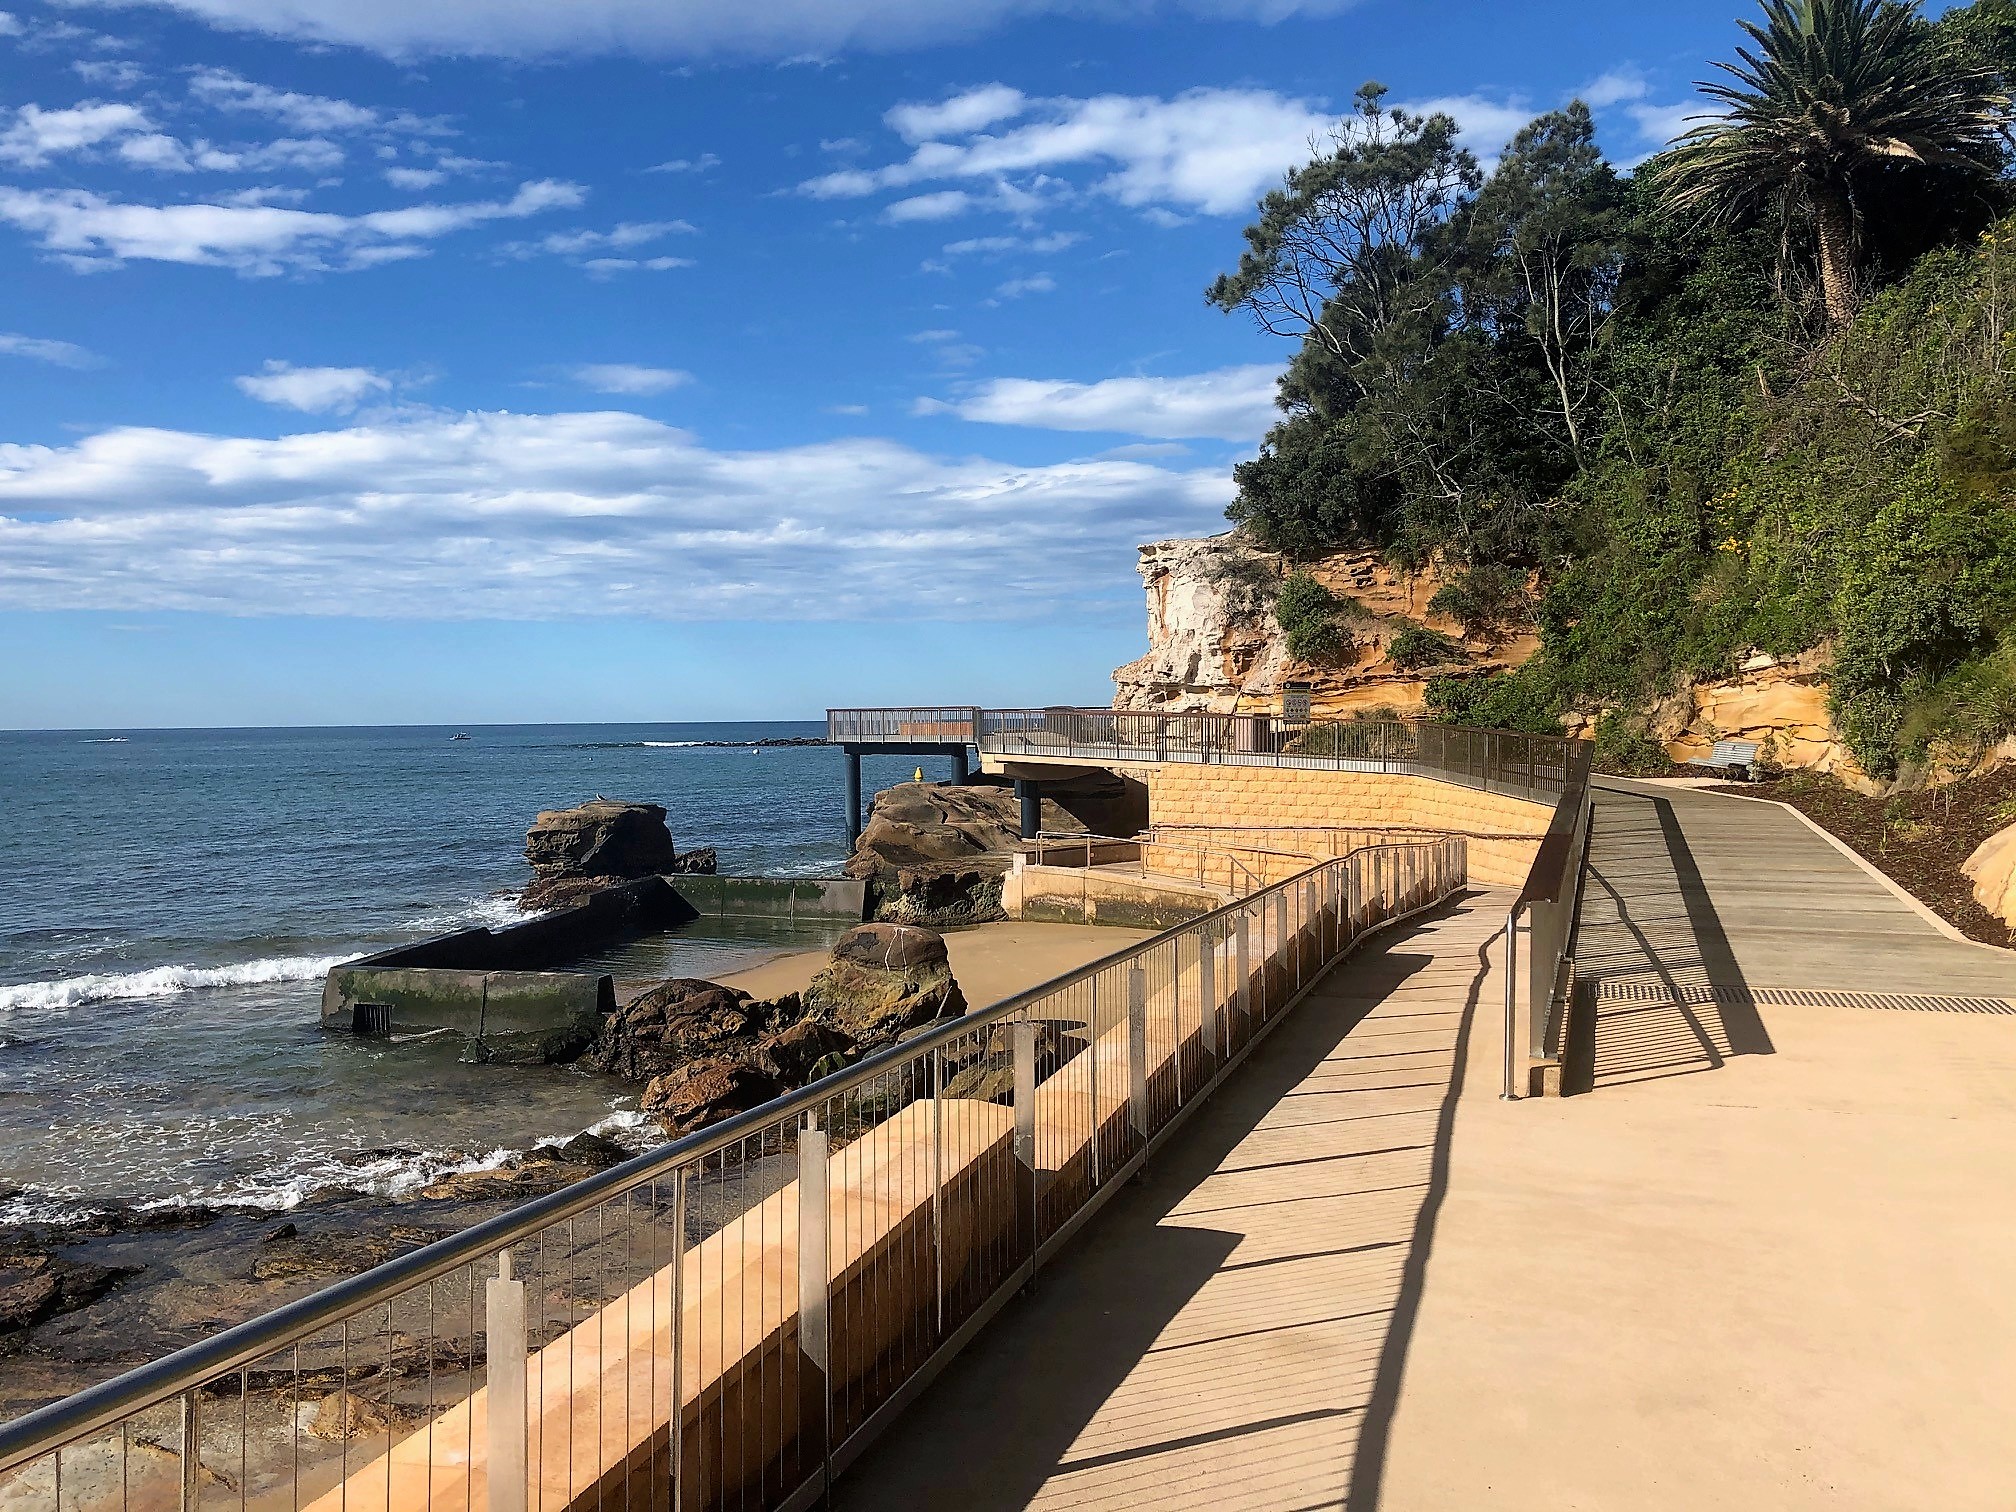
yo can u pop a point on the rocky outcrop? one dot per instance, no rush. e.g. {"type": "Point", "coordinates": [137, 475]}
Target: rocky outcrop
{"type": "Point", "coordinates": [1992, 870]}
{"type": "Point", "coordinates": [1215, 646]}
{"type": "Point", "coordinates": [708, 1052]}
{"type": "Point", "coordinates": [933, 853]}
{"type": "Point", "coordinates": [35, 1287]}
{"type": "Point", "coordinates": [1781, 705]}
{"type": "Point", "coordinates": [581, 850]}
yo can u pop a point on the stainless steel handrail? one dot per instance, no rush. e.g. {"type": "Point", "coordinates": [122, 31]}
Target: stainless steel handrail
{"type": "Point", "coordinates": [1551, 895]}
{"type": "Point", "coordinates": [162, 1381]}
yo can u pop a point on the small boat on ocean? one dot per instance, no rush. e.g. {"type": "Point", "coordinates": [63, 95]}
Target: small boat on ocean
{"type": "Point", "coordinates": [459, 736]}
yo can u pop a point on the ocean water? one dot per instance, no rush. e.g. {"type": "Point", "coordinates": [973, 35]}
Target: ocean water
{"type": "Point", "coordinates": [170, 900]}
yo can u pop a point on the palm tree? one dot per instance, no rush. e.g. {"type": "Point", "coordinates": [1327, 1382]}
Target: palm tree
{"type": "Point", "coordinates": [1836, 91]}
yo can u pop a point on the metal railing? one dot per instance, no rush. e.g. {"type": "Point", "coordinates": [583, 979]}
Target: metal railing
{"type": "Point", "coordinates": [726, 1321]}
{"type": "Point", "coordinates": [1550, 902]}
{"type": "Point", "coordinates": [1497, 761]}
{"type": "Point", "coordinates": [949, 724]}
{"type": "Point", "coordinates": [1137, 856]}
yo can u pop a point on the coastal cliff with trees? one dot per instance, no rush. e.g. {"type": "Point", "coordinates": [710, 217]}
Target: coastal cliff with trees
{"type": "Point", "coordinates": [1722, 442]}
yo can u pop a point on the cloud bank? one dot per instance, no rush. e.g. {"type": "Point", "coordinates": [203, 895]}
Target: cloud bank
{"type": "Point", "coordinates": [779, 29]}
{"type": "Point", "coordinates": [540, 516]}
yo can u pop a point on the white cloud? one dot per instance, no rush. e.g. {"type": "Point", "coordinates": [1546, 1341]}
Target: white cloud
{"type": "Point", "coordinates": [1486, 124]}
{"type": "Point", "coordinates": [1613, 86]}
{"type": "Point", "coordinates": [111, 74]}
{"type": "Point", "coordinates": [1055, 241]}
{"type": "Point", "coordinates": [1660, 124]}
{"type": "Point", "coordinates": [1036, 283]}
{"type": "Point", "coordinates": [225, 90]}
{"type": "Point", "coordinates": [792, 30]}
{"type": "Point", "coordinates": [846, 409]}
{"type": "Point", "coordinates": [415, 178]}
{"type": "Point", "coordinates": [37, 135]}
{"type": "Point", "coordinates": [1212, 150]}
{"type": "Point", "coordinates": [88, 230]}
{"type": "Point", "coordinates": [1231, 404]}
{"type": "Point", "coordinates": [42, 349]}
{"type": "Point", "coordinates": [604, 267]}
{"type": "Point", "coordinates": [10, 25]}
{"type": "Point", "coordinates": [628, 378]}
{"type": "Point", "coordinates": [313, 390]}
{"type": "Point", "coordinates": [166, 154]}
{"type": "Point", "coordinates": [623, 235]}
{"type": "Point", "coordinates": [941, 205]}
{"type": "Point", "coordinates": [960, 115]}
{"type": "Point", "coordinates": [698, 164]}
{"type": "Point", "coordinates": [520, 516]}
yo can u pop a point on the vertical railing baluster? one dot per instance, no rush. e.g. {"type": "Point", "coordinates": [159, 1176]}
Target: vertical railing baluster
{"type": "Point", "coordinates": [815, 1277]}
{"type": "Point", "coordinates": [504, 1351]}
{"type": "Point", "coordinates": [1137, 1048]}
{"type": "Point", "coordinates": [1024, 1052]}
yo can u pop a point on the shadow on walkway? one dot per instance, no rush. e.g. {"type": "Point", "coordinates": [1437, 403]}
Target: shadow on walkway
{"type": "Point", "coordinates": [1233, 1330]}
{"type": "Point", "coordinates": [1664, 995]}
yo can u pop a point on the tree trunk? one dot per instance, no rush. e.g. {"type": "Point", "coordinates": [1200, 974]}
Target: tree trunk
{"type": "Point", "coordinates": [1837, 260]}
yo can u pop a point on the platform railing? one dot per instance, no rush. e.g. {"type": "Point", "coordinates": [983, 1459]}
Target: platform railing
{"type": "Point", "coordinates": [949, 724]}
{"type": "Point", "coordinates": [725, 1321]}
{"type": "Point", "coordinates": [1549, 904]}
{"type": "Point", "coordinates": [1498, 761]}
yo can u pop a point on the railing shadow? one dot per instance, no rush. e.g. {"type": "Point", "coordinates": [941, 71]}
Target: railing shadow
{"type": "Point", "coordinates": [1263, 1276]}
{"type": "Point", "coordinates": [1664, 993]}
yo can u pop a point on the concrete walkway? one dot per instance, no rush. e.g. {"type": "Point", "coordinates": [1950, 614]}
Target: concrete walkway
{"type": "Point", "coordinates": [1776, 1276]}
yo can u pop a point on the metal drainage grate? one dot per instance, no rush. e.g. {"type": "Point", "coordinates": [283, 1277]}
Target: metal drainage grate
{"type": "Point", "coordinates": [1799, 997]}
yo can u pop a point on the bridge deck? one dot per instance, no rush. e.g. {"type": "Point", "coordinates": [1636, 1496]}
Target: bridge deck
{"type": "Point", "coordinates": [1774, 1275]}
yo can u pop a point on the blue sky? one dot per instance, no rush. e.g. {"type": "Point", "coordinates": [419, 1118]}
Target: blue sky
{"type": "Point", "coordinates": [488, 360]}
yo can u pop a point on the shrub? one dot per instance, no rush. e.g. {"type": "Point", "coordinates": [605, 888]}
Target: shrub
{"type": "Point", "coordinates": [1625, 749]}
{"type": "Point", "coordinates": [1495, 701]}
{"type": "Point", "coordinates": [1418, 646]}
{"type": "Point", "coordinates": [1309, 614]}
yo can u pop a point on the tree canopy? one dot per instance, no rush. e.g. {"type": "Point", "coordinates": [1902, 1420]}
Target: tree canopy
{"type": "Point", "coordinates": [1653, 413]}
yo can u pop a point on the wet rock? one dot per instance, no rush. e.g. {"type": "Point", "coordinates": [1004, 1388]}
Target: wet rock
{"type": "Point", "coordinates": [684, 1020]}
{"type": "Point", "coordinates": [36, 1287]}
{"type": "Point", "coordinates": [560, 1046]}
{"type": "Point", "coordinates": [278, 1232]}
{"type": "Point", "coordinates": [703, 1093]}
{"type": "Point", "coordinates": [701, 862]}
{"type": "Point", "coordinates": [590, 1150]}
{"type": "Point", "coordinates": [314, 1254]}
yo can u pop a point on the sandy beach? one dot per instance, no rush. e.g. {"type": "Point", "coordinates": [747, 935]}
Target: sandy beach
{"type": "Point", "coordinates": [991, 961]}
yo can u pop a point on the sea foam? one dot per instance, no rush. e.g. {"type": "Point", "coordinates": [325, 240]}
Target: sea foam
{"type": "Point", "coordinates": [163, 981]}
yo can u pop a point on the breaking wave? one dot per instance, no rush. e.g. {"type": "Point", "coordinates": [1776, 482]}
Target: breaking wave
{"type": "Point", "coordinates": [163, 981]}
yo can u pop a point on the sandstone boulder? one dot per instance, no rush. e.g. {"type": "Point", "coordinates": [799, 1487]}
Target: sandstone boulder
{"type": "Point", "coordinates": [894, 947]}
{"type": "Point", "coordinates": [875, 1004]}
{"type": "Point", "coordinates": [1992, 870]}
{"type": "Point", "coordinates": [682, 1020]}
{"type": "Point", "coordinates": [706, 1092]}
{"type": "Point", "coordinates": [802, 1053]}
{"type": "Point", "coordinates": [577, 851]}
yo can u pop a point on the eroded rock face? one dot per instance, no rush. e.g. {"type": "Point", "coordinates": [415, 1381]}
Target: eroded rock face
{"type": "Point", "coordinates": [935, 854]}
{"type": "Point", "coordinates": [577, 851]}
{"type": "Point", "coordinates": [34, 1287]}
{"type": "Point", "coordinates": [1781, 705]}
{"type": "Point", "coordinates": [1992, 870]}
{"type": "Point", "coordinates": [705, 1092]}
{"type": "Point", "coordinates": [1214, 645]}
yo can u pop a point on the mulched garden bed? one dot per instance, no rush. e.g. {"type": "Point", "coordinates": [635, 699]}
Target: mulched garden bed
{"type": "Point", "coordinates": [1919, 840]}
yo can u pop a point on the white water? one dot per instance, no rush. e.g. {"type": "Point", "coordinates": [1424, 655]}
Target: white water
{"type": "Point", "coordinates": [162, 981]}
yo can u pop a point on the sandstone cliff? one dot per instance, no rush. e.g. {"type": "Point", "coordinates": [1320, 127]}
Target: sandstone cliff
{"type": "Point", "coordinates": [1214, 644]}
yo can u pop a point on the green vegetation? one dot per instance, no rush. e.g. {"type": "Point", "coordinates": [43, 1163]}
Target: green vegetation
{"type": "Point", "coordinates": [1417, 646]}
{"type": "Point", "coordinates": [1312, 618]}
{"type": "Point", "coordinates": [1673, 417]}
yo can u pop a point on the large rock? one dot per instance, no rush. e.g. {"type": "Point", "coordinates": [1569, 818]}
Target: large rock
{"type": "Point", "coordinates": [1992, 870]}
{"type": "Point", "coordinates": [933, 853]}
{"type": "Point", "coordinates": [884, 981]}
{"type": "Point", "coordinates": [580, 850]}
{"type": "Point", "coordinates": [683, 1020]}
{"type": "Point", "coordinates": [705, 1092]}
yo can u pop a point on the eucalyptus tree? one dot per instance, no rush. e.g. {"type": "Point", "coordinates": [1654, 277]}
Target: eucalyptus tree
{"type": "Point", "coordinates": [1831, 96]}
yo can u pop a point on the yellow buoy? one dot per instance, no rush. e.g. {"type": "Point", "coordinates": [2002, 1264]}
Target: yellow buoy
{"type": "Point", "coordinates": [920, 775]}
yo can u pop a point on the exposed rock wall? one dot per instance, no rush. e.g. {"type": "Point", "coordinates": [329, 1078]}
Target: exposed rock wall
{"type": "Point", "coordinates": [1214, 644]}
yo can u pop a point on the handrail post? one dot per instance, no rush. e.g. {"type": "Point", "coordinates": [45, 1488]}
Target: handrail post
{"type": "Point", "coordinates": [504, 1357]}
{"type": "Point", "coordinates": [1023, 1045]}
{"type": "Point", "coordinates": [1137, 1047]}
{"type": "Point", "coordinates": [815, 1279]}
{"type": "Point", "coordinates": [1511, 997]}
